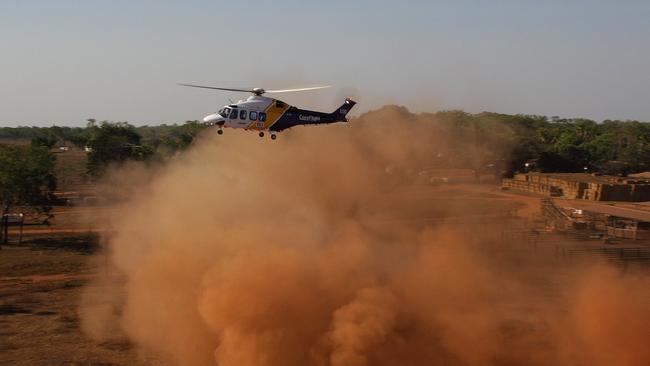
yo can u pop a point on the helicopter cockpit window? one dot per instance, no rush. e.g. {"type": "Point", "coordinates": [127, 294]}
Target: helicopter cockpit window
{"type": "Point", "coordinates": [252, 115]}
{"type": "Point", "coordinates": [242, 114]}
{"type": "Point", "coordinates": [233, 114]}
{"type": "Point", "coordinates": [262, 116]}
{"type": "Point", "coordinates": [224, 112]}
{"type": "Point", "coordinates": [279, 104]}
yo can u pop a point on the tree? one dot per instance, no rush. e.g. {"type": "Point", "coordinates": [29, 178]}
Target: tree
{"type": "Point", "coordinates": [167, 140]}
{"type": "Point", "coordinates": [26, 180]}
{"type": "Point", "coordinates": [114, 143]}
{"type": "Point", "coordinates": [47, 141]}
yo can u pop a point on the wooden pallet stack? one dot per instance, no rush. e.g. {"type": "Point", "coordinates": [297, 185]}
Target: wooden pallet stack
{"type": "Point", "coordinates": [581, 186]}
{"type": "Point", "coordinates": [530, 187]}
{"type": "Point", "coordinates": [640, 192]}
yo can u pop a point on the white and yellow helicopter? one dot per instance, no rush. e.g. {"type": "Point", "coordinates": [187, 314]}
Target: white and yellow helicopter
{"type": "Point", "coordinates": [260, 113]}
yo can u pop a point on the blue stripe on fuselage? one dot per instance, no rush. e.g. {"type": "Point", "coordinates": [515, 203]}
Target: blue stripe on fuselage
{"type": "Point", "coordinates": [296, 117]}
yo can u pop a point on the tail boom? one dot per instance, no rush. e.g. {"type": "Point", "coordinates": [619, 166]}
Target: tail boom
{"type": "Point", "coordinates": [296, 117]}
{"type": "Point", "coordinates": [343, 110]}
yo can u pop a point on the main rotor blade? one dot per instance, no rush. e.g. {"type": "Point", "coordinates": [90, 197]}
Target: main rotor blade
{"type": "Point", "coordinates": [298, 89]}
{"type": "Point", "coordinates": [213, 87]}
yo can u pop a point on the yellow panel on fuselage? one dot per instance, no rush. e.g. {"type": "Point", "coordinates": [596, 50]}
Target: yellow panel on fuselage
{"type": "Point", "coordinates": [273, 114]}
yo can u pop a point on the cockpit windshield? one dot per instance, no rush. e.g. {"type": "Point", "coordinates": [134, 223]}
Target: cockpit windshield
{"type": "Point", "coordinates": [224, 112]}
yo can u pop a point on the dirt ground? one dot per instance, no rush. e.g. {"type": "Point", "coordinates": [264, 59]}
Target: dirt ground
{"type": "Point", "coordinates": [40, 287]}
{"type": "Point", "coordinates": [41, 280]}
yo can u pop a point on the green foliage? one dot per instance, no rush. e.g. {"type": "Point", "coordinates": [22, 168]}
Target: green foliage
{"type": "Point", "coordinates": [558, 145]}
{"type": "Point", "coordinates": [114, 143]}
{"type": "Point", "coordinates": [26, 177]}
{"type": "Point", "coordinates": [46, 136]}
{"type": "Point", "coordinates": [111, 142]}
{"type": "Point", "coordinates": [166, 140]}
{"type": "Point", "coordinates": [479, 140]}
{"type": "Point", "coordinates": [44, 141]}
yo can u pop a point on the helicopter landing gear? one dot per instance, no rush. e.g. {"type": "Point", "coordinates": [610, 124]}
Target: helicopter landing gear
{"type": "Point", "coordinates": [273, 136]}
{"type": "Point", "coordinates": [220, 131]}
{"type": "Point", "coordinates": [261, 134]}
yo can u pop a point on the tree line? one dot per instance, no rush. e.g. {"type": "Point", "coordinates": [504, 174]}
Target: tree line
{"type": "Point", "coordinates": [27, 170]}
{"type": "Point", "coordinates": [513, 142]}
{"type": "Point", "coordinates": [552, 144]}
{"type": "Point", "coordinates": [110, 142]}
{"type": "Point", "coordinates": [555, 144]}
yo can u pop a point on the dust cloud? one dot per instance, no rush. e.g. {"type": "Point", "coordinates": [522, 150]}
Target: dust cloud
{"type": "Point", "coordinates": [245, 251]}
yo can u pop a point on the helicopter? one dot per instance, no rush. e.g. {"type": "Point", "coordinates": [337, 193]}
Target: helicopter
{"type": "Point", "coordinates": [264, 114]}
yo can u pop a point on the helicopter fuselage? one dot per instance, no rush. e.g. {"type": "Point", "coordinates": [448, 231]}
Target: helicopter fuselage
{"type": "Point", "coordinates": [268, 114]}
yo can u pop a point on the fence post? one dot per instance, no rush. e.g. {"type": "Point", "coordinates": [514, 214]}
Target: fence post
{"type": "Point", "coordinates": [5, 219]}
{"type": "Point", "coordinates": [20, 236]}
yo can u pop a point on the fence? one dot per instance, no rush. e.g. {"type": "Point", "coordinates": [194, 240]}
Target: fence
{"type": "Point", "coordinates": [11, 220]}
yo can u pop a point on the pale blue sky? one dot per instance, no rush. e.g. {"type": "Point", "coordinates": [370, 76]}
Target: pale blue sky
{"type": "Point", "coordinates": [64, 61]}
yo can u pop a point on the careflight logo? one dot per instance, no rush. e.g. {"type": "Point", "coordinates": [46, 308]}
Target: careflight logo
{"type": "Point", "coordinates": [307, 118]}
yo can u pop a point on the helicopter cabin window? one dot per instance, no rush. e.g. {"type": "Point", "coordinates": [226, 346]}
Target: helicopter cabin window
{"type": "Point", "coordinates": [262, 116]}
{"type": "Point", "coordinates": [233, 114]}
{"type": "Point", "coordinates": [252, 115]}
{"type": "Point", "coordinates": [242, 114]}
{"type": "Point", "coordinates": [224, 112]}
{"type": "Point", "coordinates": [279, 104]}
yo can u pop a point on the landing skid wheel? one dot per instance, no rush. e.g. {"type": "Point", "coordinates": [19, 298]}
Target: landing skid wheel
{"type": "Point", "coordinates": [220, 131]}
{"type": "Point", "coordinates": [273, 137]}
{"type": "Point", "coordinates": [261, 134]}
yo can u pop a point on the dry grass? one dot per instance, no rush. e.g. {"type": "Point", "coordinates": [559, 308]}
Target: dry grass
{"type": "Point", "coordinates": [40, 287]}
{"type": "Point", "coordinates": [41, 282]}
{"type": "Point", "coordinates": [70, 170]}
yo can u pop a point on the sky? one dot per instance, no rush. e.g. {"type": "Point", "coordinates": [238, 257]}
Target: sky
{"type": "Point", "coordinates": [62, 62]}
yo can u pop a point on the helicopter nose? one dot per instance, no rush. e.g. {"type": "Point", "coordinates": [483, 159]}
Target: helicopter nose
{"type": "Point", "coordinates": [213, 118]}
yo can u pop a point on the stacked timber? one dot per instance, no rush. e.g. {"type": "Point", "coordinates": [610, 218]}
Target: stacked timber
{"type": "Point", "coordinates": [640, 192]}
{"type": "Point", "coordinates": [530, 187]}
{"type": "Point", "coordinates": [593, 192]}
{"type": "Point", "coordinates": [628, 233]}
{"type": "Point", "coordinates": [581, 186]}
